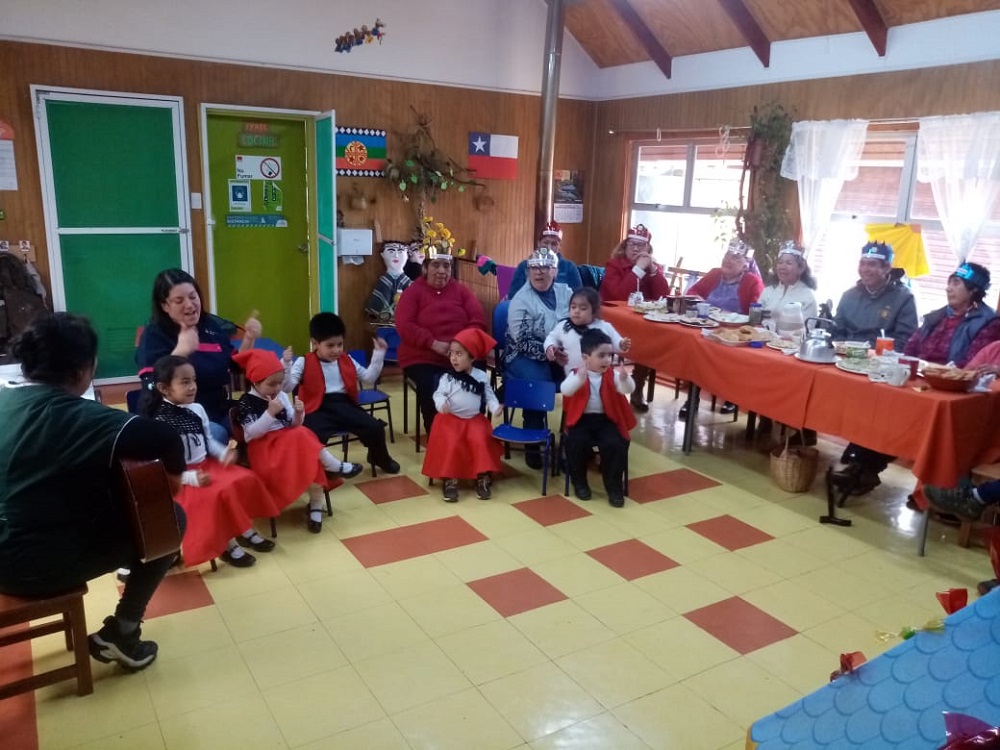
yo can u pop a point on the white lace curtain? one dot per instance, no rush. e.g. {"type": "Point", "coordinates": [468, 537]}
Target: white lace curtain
{"type": "Point", "coordinates": [821, 156]}
{"type": "Point", "coordinates": [960, 157]}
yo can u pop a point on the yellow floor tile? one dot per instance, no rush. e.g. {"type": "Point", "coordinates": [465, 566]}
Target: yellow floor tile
{"type": "Point", "coordinates": [374, 631]}
{"type": "Point", "coordinates": [186, 633]}
{"type": "Point", "coordinates": [456, 722]}
{"type": "Point", "coordinates": [147, 737]}
{"type": "Point", "coordinates": [683, 509]}
{"type": "Point", "coordinates": [589, 533]}
{"type": "Point", "coordinates": [561, 628]}
{"type": "Point", "coordinates": [782, 557]}
{"type": "Point", "coordinates": [733, 573]}
{"type": "Point", "coordinates": [848, 591]}
{"type": "Point", "coordinates": [729, 499]}
{"type": "Point", "coordinates": [303, 559]}
{"type": "Point", "coordinates": [798, 661]}
{"type": "Point", "coordinates": [678, 717]}
{"type": "Point", "coordinates": [480, 560]}
{"type": "Point", "coordinates": [850, 632]}
{"type": "Point", "coordinates": [379, 735]}
{"type": "Point", "coordinates": [625, 607]}
{"type": "Point", "coordinates": [496, 519]}
{"type": "Point", "coordinates": [242, 722]}
{"type": "Point", "coordinates": [265, 614]}
{"type": "Point", "coordinates": [411, 577]}
{"type": "Point", "coordinates": [577, 574]}
{"type": "Point", "coordinates": [831, 543]}
{"type": "Point", "coordinates": [682, 589]}
{"type": "Point", "coordinates": [291, 655]}
{"type": "Point", "coordinates": [358, 521]}
{"type": "Point", "coordinates": [411, 676]}
{"type": "Point", "coordinates": [742, 690]}
{"type": "Point", "coordinates": [449, 609]}
{"type": "Point", "coordinates": [614, 672]}
{"type": "Point", "coordinates": [413, 510]}
{"type": "Point", "coordinates": [776, 519]}
{"type": "Point", "coordinates": [794, 605]}
{"type": "Point", "coordinates": [700, 650]}
{"type": "Point", "coordinates": [490, 651]}
{"type": "Point", "coordinates": [603, 731]}
{"type": "Point", "coordinates": [638, 521]}
{"type": "Point", "coordinates": [229, 583]}
{"type": "Point", "coordinates": [536, 546]}
{"type": "Point", "coordinates": [682, 545]}
{"type": "Point", "coordinates": [343, 593]}
{"type": "Point", "coordinates": [182, 685]}
{"type": "Point", "coordinates": [540, 700]}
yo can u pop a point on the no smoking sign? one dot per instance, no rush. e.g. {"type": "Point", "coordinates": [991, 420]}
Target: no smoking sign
{"type": "Point", "coordinates": [258, 167]}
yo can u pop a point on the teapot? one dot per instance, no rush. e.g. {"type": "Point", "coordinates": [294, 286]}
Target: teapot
{"type": "Point", "coordinates": [816, 346]}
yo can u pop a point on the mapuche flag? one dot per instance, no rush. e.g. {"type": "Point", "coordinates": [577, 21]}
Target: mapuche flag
{"type": "Point", "coordinates": [360, 152]}
{"type": "Point", "coordinates": [493, 156]}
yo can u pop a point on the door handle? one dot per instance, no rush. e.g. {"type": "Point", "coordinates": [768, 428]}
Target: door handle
{"type": "Point", "coordinates": [303, 248]}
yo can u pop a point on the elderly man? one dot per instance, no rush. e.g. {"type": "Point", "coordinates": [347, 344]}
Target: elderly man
{"type": "Point", "coordinates": [567, 273]}
{"type": "Point", "coordinates": [533, 312]}
{"type": "Point", "coordinates": [878, 302]}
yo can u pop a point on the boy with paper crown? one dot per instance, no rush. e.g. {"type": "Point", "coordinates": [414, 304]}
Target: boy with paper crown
{"type": "Point", "coordinates": [597, 413]}
{"type": "Point", "coordinates": [461, 444]}
{"type": "Point", "coordinates": [288, 458]}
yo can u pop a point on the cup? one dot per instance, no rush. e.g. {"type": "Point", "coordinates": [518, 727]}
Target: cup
{"type": "Point", "coordinates": [884, 344]}
{"type": "Point", "coordinates": [756, 313]}
{"type": "Point", "coordinates": [912, 363]}
{"type": "Point", "coordinates": [703, 308]}
{"type": "Point", "coordinates": [896, 375]}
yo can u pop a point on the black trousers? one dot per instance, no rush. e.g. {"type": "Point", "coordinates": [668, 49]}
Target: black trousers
{"type": "Point", "coordinates": [591, 430]}
{"type": "Point", "coordinates": [426, 378]}
{"type": "Point", "coordinates": [337, 413]}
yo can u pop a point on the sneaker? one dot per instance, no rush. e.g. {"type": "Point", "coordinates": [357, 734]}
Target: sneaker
{"type": "Point", "coordinates": [450, 490]}
{"type": "Point", "coordinates": [958, 500]}
{"type": "Point", "coordinates": [109, 644]}
{"type": "Point", "coordinates": [243, 561]}
{"type": "Point", "coordinates": [263, 545]}
{"type": "Point", "coordinates": [483, 482]}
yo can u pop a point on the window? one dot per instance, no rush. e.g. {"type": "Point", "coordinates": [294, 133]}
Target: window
{"type": "Point", "coordinates": [677, 191]}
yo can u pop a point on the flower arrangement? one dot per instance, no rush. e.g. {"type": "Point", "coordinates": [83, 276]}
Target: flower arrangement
{"type": "Point", "coordinates": [436, 239]}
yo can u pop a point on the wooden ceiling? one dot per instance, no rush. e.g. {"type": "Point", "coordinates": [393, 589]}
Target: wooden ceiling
{"type": "Point", "coordinates": [618, 32]}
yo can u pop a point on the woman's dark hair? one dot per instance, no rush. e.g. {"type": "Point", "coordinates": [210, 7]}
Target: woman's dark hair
{"type": "Point", "coordinates": [162, 284]}
{"type": "Point", "coordinates": [55, 348]}
{"type": "Point", "coordinates": [592, 297]}
{"type": "Point", "coordinates": [163, 372]}
{"type": "Point", "coordinates": [326, 325]}
{"type": "Point", "coordinates": [806, 277]}
{"type": "Point", "coordinates": [977, 292]}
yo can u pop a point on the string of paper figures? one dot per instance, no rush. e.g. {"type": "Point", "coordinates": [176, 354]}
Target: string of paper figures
{"type": "Point", "coordinates": [351, 39]}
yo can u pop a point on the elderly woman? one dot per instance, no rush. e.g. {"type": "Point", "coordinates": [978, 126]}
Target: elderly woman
{"type": "Point", "coordinates": [430, 312]}
{"type": "Point", "coordinates": [179, 325]}
{"type": "Point", "coordinates": [567, 272]}
{"type": "Point", "coordinates": [791, 281]}
{"type": "Point", "coordinates": [734, 284]}
{"type": "Point", "coordinates": [533, 312]}
{"type": "Point", "coordinates": [60, 524]}
{"type": "Point", "coordinates": [957, 331]}
{"type": "Point", "coordinates": [631, 269]}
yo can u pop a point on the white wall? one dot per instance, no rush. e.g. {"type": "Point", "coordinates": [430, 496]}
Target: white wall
{"type": "Point", "coordinates": [490, 44]}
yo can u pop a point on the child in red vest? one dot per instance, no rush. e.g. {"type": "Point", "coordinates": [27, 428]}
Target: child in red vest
{"type": "Point", "coordinates": [597, 413]}
{"type": "Point", "coordinates": [327, 379]}
{"type": "Point", "coordinates": [461, 444]}
{"type": "Point", "coordinates": [287, 457]}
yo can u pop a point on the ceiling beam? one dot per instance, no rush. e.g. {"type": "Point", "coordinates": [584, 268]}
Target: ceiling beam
{"type": "Point", "coordinates": [749, 28]}
{"type": "Point", "coordinates": [872, 22]}
{"type": "Point", "coordinates": [646, 37]}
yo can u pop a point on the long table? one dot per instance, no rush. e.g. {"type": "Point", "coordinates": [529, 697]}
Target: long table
{"type": "Point", "coordinates": [943, 434]}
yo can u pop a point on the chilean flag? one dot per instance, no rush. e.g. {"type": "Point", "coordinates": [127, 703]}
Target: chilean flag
{"type": "Point", "coordinates": [492, 156]}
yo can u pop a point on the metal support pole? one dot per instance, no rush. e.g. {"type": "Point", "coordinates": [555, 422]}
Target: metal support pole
{"type": "Point", "coordinates": [550, 100]}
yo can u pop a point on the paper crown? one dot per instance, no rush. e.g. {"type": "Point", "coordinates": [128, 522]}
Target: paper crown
{"type": "Point", "coordinates": [543, 258]}
{"type": "Point", "coordinates": [878, 251]}
{"type": "Point", "coordinates": [477, 343]}
{"type": "Point", "coordinates": [737, 246]}
{"type": "Point", "coordinates": [436, 240]}
{"type": "Point", "coordinates": [258, 364]}
{"type": "Point", "coordinates": [552, 229]}
{"type": "Point", "coordinates": [790, 248]}
{"type": "Point", "coordinates": [639, 232]}
{"type": "Point", "coordinates": [976, 276]}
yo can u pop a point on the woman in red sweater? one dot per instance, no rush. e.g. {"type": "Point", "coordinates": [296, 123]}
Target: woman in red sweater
{"type": "Point", "coordinates": [631, 269]}
{"type": "Point", "coordinates": [430, 312]}
{"type": "Point", "coordinates": [733, 285]}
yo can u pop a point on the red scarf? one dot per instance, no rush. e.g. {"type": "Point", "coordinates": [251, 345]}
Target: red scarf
{"type": "Point", "coordinates": [615, 405]}
{"type": "Point", "coordinates": [313, 385]}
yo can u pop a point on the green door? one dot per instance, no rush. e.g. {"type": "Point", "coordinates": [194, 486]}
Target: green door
{"type": "Point", "coordinates": [116, 209]}
{"type": "Point", "coordinates": [259, 221]}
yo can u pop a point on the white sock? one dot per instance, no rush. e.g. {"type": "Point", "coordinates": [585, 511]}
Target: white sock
{"type": "Point", "coordinates": [316, 500]}
{"type": "Point", "coordinates": [252, 536]}
{"type": "Point", "coordinates": [975, 494]}
{"type": "Point", "coordinates": [329, 462]}
{"type": "Point", "coordinates": [234, 549]}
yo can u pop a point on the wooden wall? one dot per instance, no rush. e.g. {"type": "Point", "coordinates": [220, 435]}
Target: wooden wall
{"type": "Point", "coordinates": [908, 94]}
{"type": "Point", "coordinates": [504, 232]}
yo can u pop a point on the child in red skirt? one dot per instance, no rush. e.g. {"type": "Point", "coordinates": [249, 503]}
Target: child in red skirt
{"type": "Point", "coordinates": [287, 457]}
{"type": "Point", "coordinates": [220, 499]}
{"type": "Point", "coordinates": [461, 444]}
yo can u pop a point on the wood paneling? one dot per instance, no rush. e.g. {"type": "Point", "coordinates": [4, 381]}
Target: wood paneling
{"type": "Point", "coordinates": [901, 95]}
{"type": "Point", "coordinates": [897, 12]}
{"type": "Point", "coordinates": [596, 25]}
{"type": "Point", "coordinates": [782, 20]}
{"type": "Point", "coordinates": [505, 232]}
{"type": "Point", "coordinates": [686, 27]}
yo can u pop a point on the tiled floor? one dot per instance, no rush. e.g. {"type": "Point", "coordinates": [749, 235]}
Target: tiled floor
{"type": "Point", "coordinates": [711, 599]}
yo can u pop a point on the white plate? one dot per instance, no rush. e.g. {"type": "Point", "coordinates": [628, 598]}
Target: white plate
{"type": "Point", "coordinates": [812, 361]}
{"type": "Point", "coordinates": [729, 318]}
{"type": "Point", "coordinates": [777, 344]}
{"type": "Point", "coordinates": [698, 323]}
{"type": "Point", "coordinates": [727, 342]}
{"type": "Point", "coordinates": [662, 317]}
{"type": "Point", "coordinates": [858, 366]}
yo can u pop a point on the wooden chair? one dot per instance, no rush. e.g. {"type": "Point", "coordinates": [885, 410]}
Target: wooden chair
{"type": "Point", "coordinates": [15, 610]}
{"type": "Point", "coordinates": [991, 515]}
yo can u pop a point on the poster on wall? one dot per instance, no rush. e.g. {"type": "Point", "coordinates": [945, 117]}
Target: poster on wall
{"type": "Point", "coordinates": [8, 167]}
{"type": "Point", "coordinates": [255, 196]}
{"type": "Point", "coordinates": [567, 196]}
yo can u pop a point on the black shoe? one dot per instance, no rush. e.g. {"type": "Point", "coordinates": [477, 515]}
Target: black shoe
{"type": "Point", "coordinates": [985, 587]}
{"type": "Point", "coordinates": [483, 491]}
{"type": "Point", "coordinates": [638, 404]}
{"type": "Point", "coordinates": [243, 561]}
{"type": "Point", "coordinates": [728, 408]}
{"type": "Point", "coordinates": [264, 545]}
{"type": "Point", "coordinates": [582, 490]}
{"type": "Point", "coordinates": [314, 527]}
{"type": "Point", "coordinates": [344, 473]}
{"type": "Point", "coordinates": [533, 459]}
{"type": "Point", "coordinates": [109, 644]}
{"type": "Point", "coordinates": [682, 413]}
{"type": "Point", "coordinates": [122, 574]}
{"type": "Point", "coordinates": [389, 467]}
{"type": "Point", "coordinates": [450, 491]}
{"type": "Point", "coordinates": [616, 499]}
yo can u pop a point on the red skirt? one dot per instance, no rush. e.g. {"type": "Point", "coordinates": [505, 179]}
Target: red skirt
{"type": "Point", "coordinates": [287, 462]}
{"type": "Point", "coordinates": [221, 510]}
{"type": "Point", "coordinates": [461, 448]}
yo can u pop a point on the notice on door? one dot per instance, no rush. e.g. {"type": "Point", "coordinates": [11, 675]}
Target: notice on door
{"type": "Point", "coordinates": [258, 167]}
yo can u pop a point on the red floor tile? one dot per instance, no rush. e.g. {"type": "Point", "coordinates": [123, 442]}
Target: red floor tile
{"type": "Point", "coordinates": [667, 484]}
{"type": "Point", "coordinates": [740, 625]}
{"type": "Point", "coordinates": [18, 721]}
{"type": "Point", "coordinates": [730, 532]}
{"type": "Point", "coordinates": [551, 509]}
{"type": "Point", "coordinates": [393, 545]}
{"type": "Point", "coordinates": [516, 591]}
{"type": "Point", "coordinates": [632, 559]}
{"type": "Point", "coordinates": [388, 490]}
{"type": "Point", "coordinates": [178, 593]}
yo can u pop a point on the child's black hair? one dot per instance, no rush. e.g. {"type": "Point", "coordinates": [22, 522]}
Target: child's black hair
{"type": "Point", "coordinates": [591, 339]}
{"type": "Point", "coordinates": [163, 372]}
{"type": "Point", "coordinates": [592, 297]}
{"type": "Point", "coordinates": [55, 348]}
{"type": "Point", "coordinates": [326, 325]}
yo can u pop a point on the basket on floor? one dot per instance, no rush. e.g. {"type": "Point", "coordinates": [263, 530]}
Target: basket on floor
{"type": "Point", "coordinates": [794, 468]}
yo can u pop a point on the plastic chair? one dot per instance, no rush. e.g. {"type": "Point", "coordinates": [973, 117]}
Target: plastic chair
{"type": "Point", "coordinates": [391, 336]}
{"type": "Point", "coordinates": [563, 463]}
{"type": "Point", "coordinates": [409, 385]}
{"type": "Point", "coordinates": [500, 334]}
{"type": "Point", "coordinates": [372, 398]}
{"type": "Point", "coordinates": [536, 395]}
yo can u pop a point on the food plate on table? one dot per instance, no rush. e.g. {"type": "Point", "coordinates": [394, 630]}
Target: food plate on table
{"type": "Point", "coordinates": [949, 378]}
{"type": "Point", "coordinates": [783, 345]}
{"type": "Point", "coordinates": [729, 318]}
{"type": "Point", "coordinates": [698, 322]}
{"type": "Point", "coordinates": [814, 361]}
{"type": "Point", "coordinates": [857, 366]}
{"type": "Point", "coordinates": [660, 317]}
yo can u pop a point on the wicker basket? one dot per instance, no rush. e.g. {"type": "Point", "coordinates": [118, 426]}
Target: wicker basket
{"type": "Point", "coordinates": [794, 469]}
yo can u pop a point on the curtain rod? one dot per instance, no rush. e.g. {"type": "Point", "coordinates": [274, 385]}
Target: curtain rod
{"type": "Point", "coordinates": [908, 122]}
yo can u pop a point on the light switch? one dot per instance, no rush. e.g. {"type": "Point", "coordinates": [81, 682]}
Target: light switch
{"type": "Point", "coordinates": [196, 201]}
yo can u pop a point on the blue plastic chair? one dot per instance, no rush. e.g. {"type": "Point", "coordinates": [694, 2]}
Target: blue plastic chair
{"type": "Point", "coordinates": [372, 398]}
{"type": "Point", "coordinates": [537, 395]}
{"type": "Point", "coordinates": [391, 336]}
{"type": "Point", "coordinates": [500, 334]}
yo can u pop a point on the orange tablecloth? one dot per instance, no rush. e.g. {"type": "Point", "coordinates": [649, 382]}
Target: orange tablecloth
{"type": "Point", "coordinates": [943, 434]}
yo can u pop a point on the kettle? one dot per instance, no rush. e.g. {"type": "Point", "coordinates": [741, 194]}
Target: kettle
{"type": "Point", "coordinates": [817, 345]}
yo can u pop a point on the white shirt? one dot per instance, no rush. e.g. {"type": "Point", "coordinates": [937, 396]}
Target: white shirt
{"type": "Point", "coordinates": [461, 402]}
{"type": "Point", "coordinates": [570, 342]}
{"type": "Point", "coordinates": [195, 452]}
{"type": "Point", "coordinates": [774, 297]}
{"type": "Point", "coordinates": [265, 423]}
{"type": "Point", "coordinates": [331, 373]}
{"type": "Point", "coordinates": [575, 380]}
